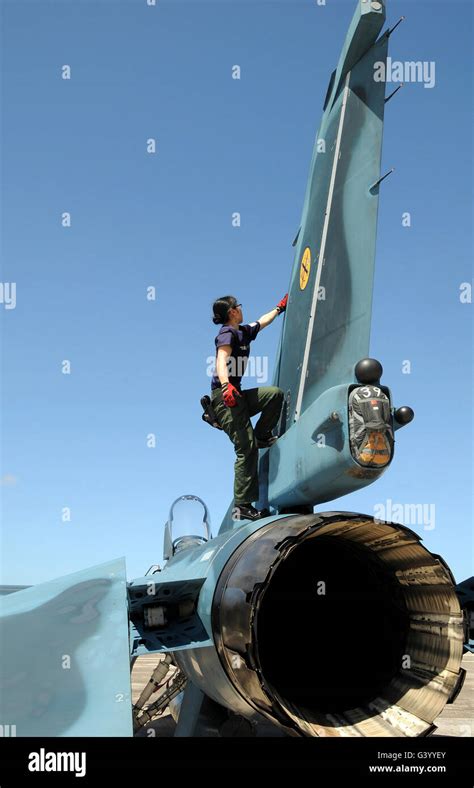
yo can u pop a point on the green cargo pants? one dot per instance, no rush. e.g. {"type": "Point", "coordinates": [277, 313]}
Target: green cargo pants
{"type": "Point", "coordinates": [236, 423]}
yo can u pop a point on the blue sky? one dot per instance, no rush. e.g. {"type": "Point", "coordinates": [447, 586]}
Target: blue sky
{"type": "Point", "coordinates": [164, 220]}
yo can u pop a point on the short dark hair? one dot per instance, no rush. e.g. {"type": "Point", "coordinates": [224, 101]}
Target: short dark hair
{"type": "Point", "coordinates": [221, 308]}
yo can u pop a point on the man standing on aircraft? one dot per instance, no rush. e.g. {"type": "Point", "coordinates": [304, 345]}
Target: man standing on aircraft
{"type": "Point", "coordinates": [234, 407]}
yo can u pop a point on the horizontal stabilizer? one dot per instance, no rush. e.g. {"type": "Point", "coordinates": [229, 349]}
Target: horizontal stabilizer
{"type": "Point", "coordinates": [65, 660]}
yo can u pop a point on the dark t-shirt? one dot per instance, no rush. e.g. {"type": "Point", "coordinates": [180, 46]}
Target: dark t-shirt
{"type": "Point", "coordinates": [239, 339]}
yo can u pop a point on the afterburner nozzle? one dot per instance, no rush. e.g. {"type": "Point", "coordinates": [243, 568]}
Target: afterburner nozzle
{"type": "Point", "coordinates": [340, 625]}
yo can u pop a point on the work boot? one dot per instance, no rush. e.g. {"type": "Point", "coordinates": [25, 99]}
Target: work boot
{"type": "Point", "coordinates": [245, 511]}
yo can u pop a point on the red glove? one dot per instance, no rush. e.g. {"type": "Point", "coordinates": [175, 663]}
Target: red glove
{"type": "Point", "coordinates": [230, 394]}
{"type": "Point", "coordinates": [281, 306]}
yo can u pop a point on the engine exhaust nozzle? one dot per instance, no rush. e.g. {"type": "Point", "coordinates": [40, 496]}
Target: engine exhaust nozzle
{"type": "Point", "coordinates": [340, 625]}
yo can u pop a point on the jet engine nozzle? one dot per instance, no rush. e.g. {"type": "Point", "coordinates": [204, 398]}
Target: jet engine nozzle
{"type": "Point", "coordinates": [339, 625]}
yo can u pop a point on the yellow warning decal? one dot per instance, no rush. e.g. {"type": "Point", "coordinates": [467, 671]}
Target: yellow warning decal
{"type": "Point", "coordinates": [305, 268]}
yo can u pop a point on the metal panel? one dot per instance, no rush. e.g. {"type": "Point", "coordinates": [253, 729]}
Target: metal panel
{"type": "Point", "coordinates": [65, 660]}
